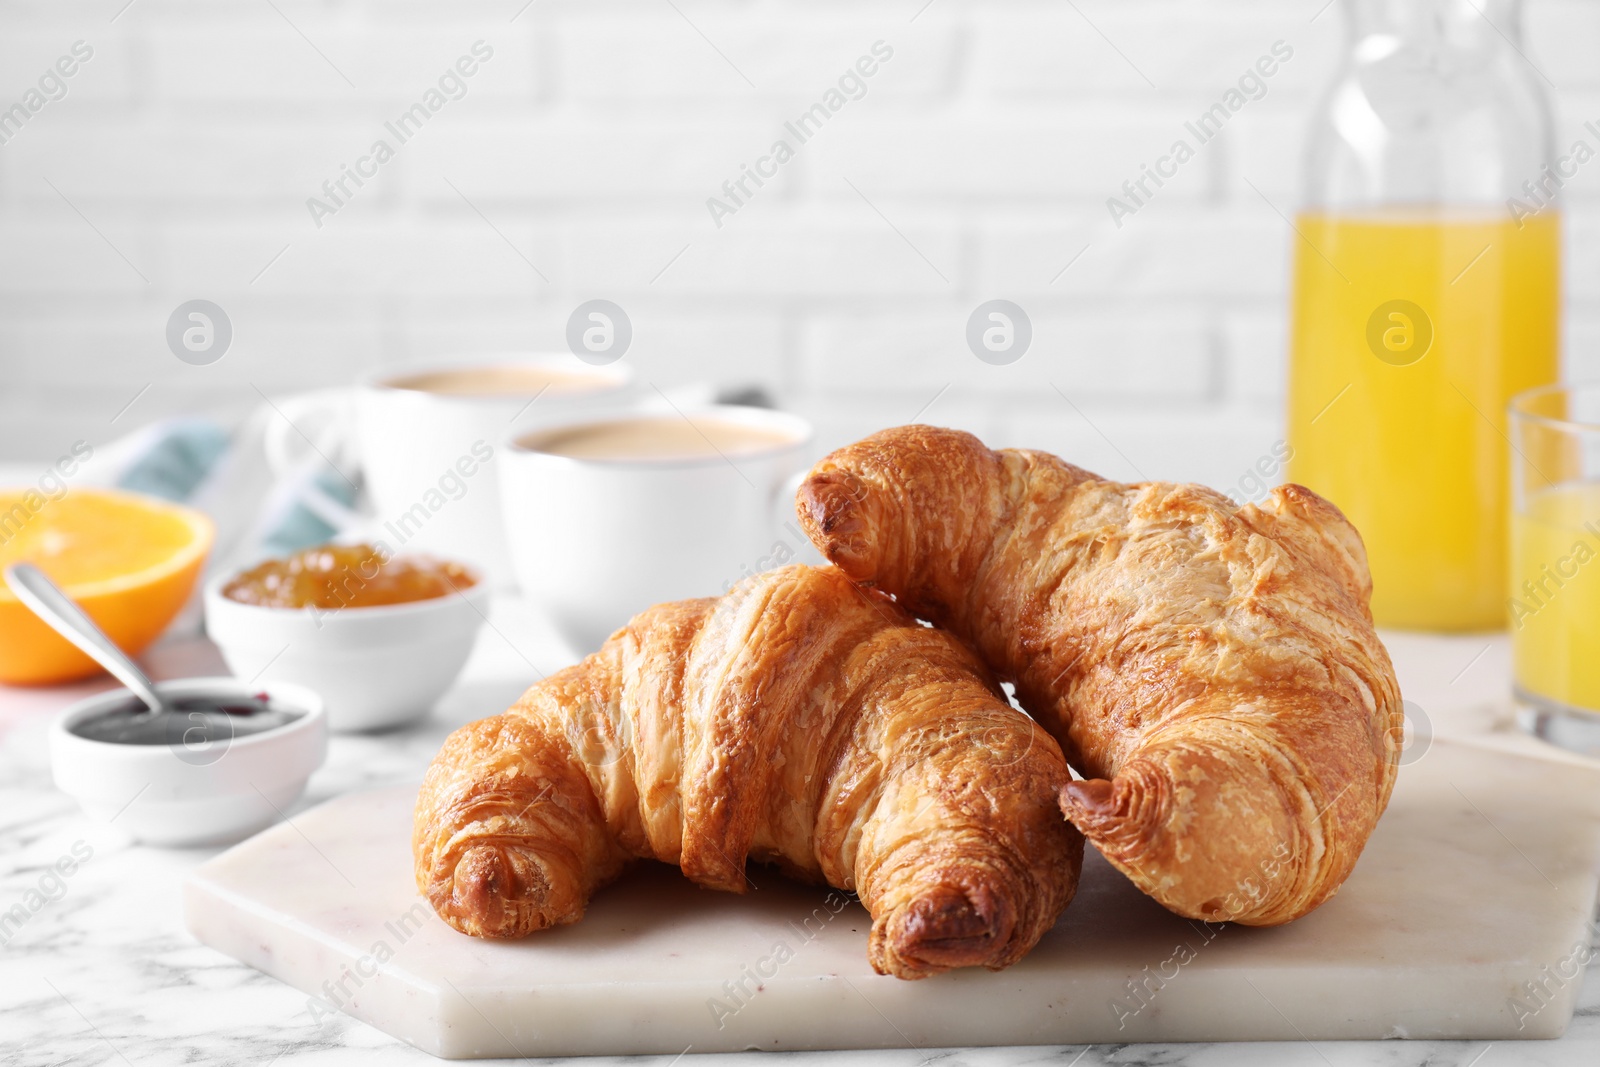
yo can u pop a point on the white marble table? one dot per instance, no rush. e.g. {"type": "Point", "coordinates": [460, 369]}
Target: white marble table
{"type": "Point", "coordinates": [103, 971]}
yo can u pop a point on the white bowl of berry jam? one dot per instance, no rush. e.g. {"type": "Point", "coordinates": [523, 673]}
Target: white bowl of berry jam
{"type": "Point", "coordinates": [380, 637]}
{"type": "Point", "coordinates": [226, 760]}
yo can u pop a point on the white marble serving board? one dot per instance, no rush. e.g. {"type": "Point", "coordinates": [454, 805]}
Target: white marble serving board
{"type": "Point", "coordinates": [1480, 879]}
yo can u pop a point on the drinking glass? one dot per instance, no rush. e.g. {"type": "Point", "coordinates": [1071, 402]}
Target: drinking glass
{"type": "Point", "coordinates": [1554, 603]}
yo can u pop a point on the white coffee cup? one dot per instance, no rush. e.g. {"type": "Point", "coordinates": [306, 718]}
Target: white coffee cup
{"type": "Point", "coordinates": [595, 540]}
{"type": "Point", "coordinates": [428, 443]}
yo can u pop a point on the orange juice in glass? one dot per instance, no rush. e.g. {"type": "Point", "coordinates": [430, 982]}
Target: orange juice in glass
{"type": "Point", "coordinates": [1554, 585]}
{"type": "Point", "coordinates": [1427, 281]}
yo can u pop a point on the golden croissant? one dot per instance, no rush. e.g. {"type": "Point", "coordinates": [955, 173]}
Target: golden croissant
{"type": "Point", "coordinates": [797, 720]}
{"type": "Point", "coordinates": [1211, 669]}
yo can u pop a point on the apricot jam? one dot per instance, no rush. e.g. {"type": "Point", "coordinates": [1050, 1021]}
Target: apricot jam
{"type": "Point", "coordinates": [346, 576]}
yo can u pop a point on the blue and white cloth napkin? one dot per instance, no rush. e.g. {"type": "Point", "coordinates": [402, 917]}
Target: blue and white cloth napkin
{"type": "Point", "coordinates": [259, 507]}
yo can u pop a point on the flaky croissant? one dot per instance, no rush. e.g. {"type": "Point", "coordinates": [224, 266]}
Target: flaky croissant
{"type": "Point", "coordinates": [797, 720]}
{"type": "Point", "coordinates": [1211, 669]}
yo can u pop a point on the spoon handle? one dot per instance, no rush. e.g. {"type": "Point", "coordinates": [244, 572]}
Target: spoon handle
{"type": "Point", "coordinates": [46, 599]}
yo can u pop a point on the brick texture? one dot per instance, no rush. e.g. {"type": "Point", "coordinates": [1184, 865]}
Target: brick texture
{"type": "Point", "coordinates": [599, 152]}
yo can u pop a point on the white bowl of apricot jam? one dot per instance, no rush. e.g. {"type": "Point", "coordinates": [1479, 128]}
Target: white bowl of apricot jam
{"type": "Point", "coordinates": [381, 637]}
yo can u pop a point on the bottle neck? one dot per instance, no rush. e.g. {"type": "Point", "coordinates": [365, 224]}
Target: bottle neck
{"type": "Point", "coordinates": [1469, 24]}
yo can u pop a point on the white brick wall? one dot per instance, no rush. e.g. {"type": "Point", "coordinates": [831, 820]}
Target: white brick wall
{"type": "Point", "coordinates": [975, 166]}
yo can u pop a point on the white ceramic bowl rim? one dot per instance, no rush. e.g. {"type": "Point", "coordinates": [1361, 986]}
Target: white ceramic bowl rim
{"type": "Point", "coordinates": [302, 699]}
{"type": "Point", "coordinates": [476, 591]}
{"type": "Point", "coordinates": [743, 414]}
{"type": "Point", "coordinates": [607, 376]}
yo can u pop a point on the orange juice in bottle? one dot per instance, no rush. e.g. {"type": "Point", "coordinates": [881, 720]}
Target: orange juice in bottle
{"type": "Point", "coordinates": [1427, 276]}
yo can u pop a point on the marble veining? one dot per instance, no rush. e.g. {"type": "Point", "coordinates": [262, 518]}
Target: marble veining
{"type": "Point", "coordinates": [657, 964]}
{"type": "Point", "coordinates": [107, 974]}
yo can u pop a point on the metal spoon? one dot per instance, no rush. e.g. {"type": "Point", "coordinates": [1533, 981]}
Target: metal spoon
{"type": "Point", "coordinates": [48, 602]}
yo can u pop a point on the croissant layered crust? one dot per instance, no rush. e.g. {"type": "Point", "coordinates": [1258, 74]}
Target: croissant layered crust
{"type": "Point", "coordinates": [799, 721]}
{"type": "Point", "coordinates": [1211, 669]}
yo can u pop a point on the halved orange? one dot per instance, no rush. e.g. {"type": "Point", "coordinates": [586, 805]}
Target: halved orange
{"type": "Point", "coordinates": [128, 560]}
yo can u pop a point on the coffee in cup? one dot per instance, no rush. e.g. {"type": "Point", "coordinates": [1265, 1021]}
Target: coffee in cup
{"type": "Point", "coordinates": [608, 515]}
{"type": "Point", "coordinates": [505, 379]}
{"type": "Point", "coordinates": [665, 438]}
{"type": "Point", "coordinates": [429, 438]}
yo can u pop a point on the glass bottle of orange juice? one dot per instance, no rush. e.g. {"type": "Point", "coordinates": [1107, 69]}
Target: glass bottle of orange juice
{"type": "Point", "coordinates": [1427, 277]}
